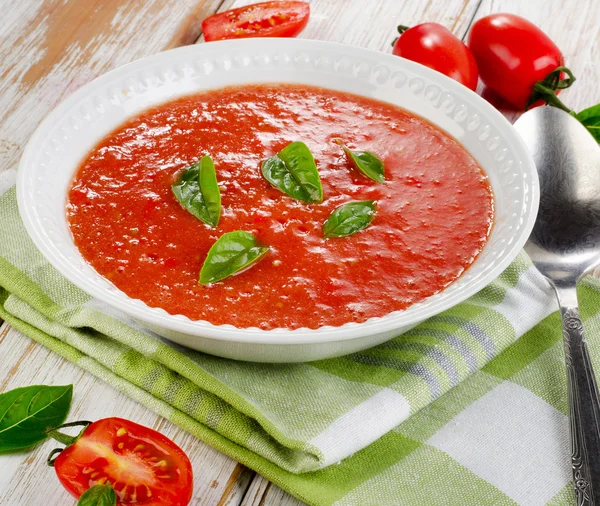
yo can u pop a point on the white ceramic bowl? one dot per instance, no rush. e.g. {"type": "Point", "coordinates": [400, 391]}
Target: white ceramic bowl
{"type": "Point", "coordinates": [64, 138]}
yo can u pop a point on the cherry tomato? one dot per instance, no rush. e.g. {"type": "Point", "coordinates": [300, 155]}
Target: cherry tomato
{"type": "Point", "coordinates": [143, 466]}
{"type": "Point", "coordinates": [434, 46]}
{"type": "Point", "coordinates": [512, 54]}
{"type": "Point", "coordinates": [266, 19]}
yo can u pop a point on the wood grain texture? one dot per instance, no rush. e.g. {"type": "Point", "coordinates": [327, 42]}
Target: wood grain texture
{"type": "Point", "coordinates": [258, 491]}
{"type": "Point", "coordinates": [49, 48]}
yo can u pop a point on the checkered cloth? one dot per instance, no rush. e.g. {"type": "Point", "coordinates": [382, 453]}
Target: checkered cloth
{"type": "Point", "coordinates": [468, 408]}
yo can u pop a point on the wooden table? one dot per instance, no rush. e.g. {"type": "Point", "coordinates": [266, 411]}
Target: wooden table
{"type": "Point", "coordinates": [50, 48]}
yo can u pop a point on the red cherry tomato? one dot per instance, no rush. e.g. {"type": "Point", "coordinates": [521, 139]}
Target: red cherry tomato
{"type": "Point", "coordinates": [434, 46]}
{"type": "Point", "coordinates": [266, 19]}
{"type": "Point", "coordinates": [143, 466]}
{"type": "Point", "coordinates": [512, 54]}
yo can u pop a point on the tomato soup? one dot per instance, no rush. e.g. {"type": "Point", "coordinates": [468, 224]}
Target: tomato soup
{"type": "Point", "coordinates": [434, 210]}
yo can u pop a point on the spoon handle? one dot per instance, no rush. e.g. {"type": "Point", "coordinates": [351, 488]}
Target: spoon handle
{"type": "Point", "coordinates": [584, 411]}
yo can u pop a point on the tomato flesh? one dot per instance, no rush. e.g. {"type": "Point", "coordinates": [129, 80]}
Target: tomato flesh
{"type": "Point", "coordinates": [434, 46]}
{"type": "Point", "coordinates": [512, 54]}
{"type": "Point", "coordinates": [266, 19]}
{"type": "Point", "coordinates": [142, 465]}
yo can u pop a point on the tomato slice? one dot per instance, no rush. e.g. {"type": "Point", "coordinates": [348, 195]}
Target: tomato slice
{"type": "Point", "coordinates": [142, 465]}
{"type": "Point", "coordinates": [266, 19]}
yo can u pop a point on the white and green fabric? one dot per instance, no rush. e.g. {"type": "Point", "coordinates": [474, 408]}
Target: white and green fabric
{"type": "Point", "coordinates": [468, 408]}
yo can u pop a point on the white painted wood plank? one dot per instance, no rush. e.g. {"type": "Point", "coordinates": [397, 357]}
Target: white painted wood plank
{"type": "Point", "coordinates": [257, 492]}
{"type": "Point", "coordinates": [274, 495]}
{"type": "Point", "coordinates": [49, 48]}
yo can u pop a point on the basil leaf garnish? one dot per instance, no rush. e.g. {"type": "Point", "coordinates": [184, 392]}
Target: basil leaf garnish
{"type": "Point", "coordinates": [198, 192]}
{"type": "Point", "coordinates": [349, 218]}
{"type": "Point", "coordinates": [590, 118]}
{"type": "Point", "coordinates": [98, 495]}
{"type": "Point", "coordinates": [27, 413]}
{"type": "Point", "coordinates": [233, 252]}
{"type": "Point", "coordinates": [365, 161]}
{"type": "Point", "coordinates": [294, 172]}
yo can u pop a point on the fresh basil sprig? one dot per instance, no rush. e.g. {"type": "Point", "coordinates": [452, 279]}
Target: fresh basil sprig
{"type": "Point", "coordinates": [349, 218]}
{"type": "Point", "coordinates": [233, 252]}
{"type": "Point", "coordinates": [590, 118]}
{"type": "Point", "coordinates": [294, 172]}
{"type": "Point", "coordinates": [198, 192]}
{"type": "Point", "coordinates": [98, 495]}
{"type": "Point", "coordinates": [365, 161]}
{"type": "Point", "coordinates": [27, 413]}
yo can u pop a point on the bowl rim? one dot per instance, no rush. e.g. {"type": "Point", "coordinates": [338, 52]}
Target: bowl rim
{"type": "Point", "coordinates": [226, 332]}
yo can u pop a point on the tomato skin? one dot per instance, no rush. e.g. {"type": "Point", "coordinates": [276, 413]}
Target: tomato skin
{"type": "Point", "coordinates": [512, 54]}
{"type": "Point", "coordinates": [143, 466]}
{"type": "Point", "coordinates": [436, 47]}
{"type": "Point", "coordinates": [265, 19]}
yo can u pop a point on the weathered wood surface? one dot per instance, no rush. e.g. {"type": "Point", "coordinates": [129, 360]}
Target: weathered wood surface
{"type": "Point", "coordinates": [51, 48]}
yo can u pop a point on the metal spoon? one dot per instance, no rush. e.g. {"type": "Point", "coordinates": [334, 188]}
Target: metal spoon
{"type": "Point", "coordinates": [565, 245]}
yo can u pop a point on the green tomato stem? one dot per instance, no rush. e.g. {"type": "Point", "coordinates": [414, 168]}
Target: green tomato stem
{"type": "Point", "coordinates": [65, 439]}
{"type": "Point", "coordinates": [545, 89]}
{"type": "Point", "coordinates": [50, 460]}
{"type": "Point", "coordinates": [401, 30]}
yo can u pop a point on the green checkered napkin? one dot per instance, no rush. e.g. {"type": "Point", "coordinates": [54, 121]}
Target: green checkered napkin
{"type": "Point", "coordinates": [468, 408]}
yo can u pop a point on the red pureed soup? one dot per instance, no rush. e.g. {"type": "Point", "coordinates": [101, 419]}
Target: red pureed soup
{"type": "Point", "coordinates": [434, 210]}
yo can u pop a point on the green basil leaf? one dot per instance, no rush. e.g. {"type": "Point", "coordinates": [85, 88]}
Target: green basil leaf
{"type": "Point", "coordinates": [590, 118]}
{"type": "Point", "coordinates": [365, 161]}
{"type": "Point", "coordinates": [98, 495]}
{"type": "Point", "coordinates": [27, 413]}
{"type": "Point", "coordinates": [198, 192]}
{"type": "Point", "coordinates": [294, 172]}
{"type": "Point", "coordinates": [349, 218]}
{"type": "Point", "coordinates": [233, 252]}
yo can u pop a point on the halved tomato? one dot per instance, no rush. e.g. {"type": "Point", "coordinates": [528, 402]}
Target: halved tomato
{"type": "Point", "coordinates": [143, 466]}
{"type": "Point", "coordinates": [266, 19]}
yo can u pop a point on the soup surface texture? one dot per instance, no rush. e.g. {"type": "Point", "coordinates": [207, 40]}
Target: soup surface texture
{"type": "Point", "coordinates": [434, 210]}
